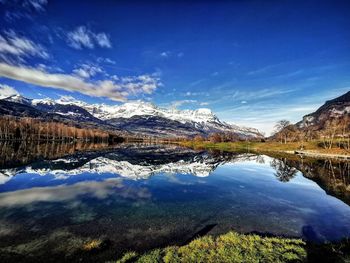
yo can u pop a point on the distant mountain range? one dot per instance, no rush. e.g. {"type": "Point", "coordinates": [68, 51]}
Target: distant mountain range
{"type": "Point", "coordinates": [134, 118]}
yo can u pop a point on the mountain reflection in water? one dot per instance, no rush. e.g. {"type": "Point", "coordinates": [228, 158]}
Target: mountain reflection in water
{"type": "Point", "coordinates": [54, 198]}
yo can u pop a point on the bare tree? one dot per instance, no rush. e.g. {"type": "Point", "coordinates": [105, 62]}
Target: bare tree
{"type": "Point", "coordinates": [281, 129]}
{"type": "Point", "coordinates": [330, 130]}
{"type": "Point", "coordinates": [30, 129]}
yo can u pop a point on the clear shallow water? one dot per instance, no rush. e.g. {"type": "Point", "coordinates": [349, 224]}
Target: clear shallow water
{"type": "Point", "coordinates": [138, 197]}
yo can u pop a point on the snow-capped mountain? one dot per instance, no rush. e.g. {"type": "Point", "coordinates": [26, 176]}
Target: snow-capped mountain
{"type": "Point", "coordinates": [141, 118]}
{"type": "Point", "coordinates": [19, 99]}
{"type": "Point", "coordinates": [49, 106]}
{"type": "Point", "coordinates": [140, 108]}
{"type": "Point", "coordinates": [202, 118]}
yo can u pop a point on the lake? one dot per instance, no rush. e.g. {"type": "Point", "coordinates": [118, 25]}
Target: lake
{"type": "Point", "coordinates": [55, 198]}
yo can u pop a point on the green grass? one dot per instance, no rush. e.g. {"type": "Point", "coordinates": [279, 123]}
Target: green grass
{"type": "Point", "coordinates": [231, 247]}
{"type": "Point", "coordinates": [313, 146]}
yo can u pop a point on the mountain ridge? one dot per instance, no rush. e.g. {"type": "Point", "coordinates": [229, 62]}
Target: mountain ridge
{"type": "Point", "coordinates": [141, 118]}
{"type": "Point", "coordinates": [337, 108]}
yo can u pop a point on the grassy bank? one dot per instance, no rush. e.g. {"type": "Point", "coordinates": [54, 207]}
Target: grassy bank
{"type": "Point", "coordinates": [313, 146]}
{"type": "Point", "coordinates": [233, 247]}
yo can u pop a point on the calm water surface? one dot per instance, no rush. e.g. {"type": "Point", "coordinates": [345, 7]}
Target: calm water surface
{"type": "Point", "coordinates": [138, 197]}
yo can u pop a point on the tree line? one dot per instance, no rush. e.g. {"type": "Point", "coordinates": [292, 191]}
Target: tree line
{"type": "Point", "coordinates": [18, 153]}
{"type": "Point", "coordinates": [30, 129]}
{"type": "Point", "coordinates": [218, 137]}
{"type": "Point", "coordinates": [334, 132]}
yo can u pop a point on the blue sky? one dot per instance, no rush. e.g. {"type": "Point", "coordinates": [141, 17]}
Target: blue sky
{"type": "Point", "coordinates": [250, 62]}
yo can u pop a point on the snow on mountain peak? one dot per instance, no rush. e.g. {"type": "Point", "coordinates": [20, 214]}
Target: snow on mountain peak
{"type": "Point", "coordinates": [142, 108]}
{"type": "Point", "coordinates": [204, 111]}
{"type": "Point", "coordinates": [18, 99]}
{"type": "Point", "coordinates": [127, 110]}
{"type": "Point", "coordinates": [68, 100]}
{"type": "Point", "coordinates": [202, 118]}
{"type": "Point", "coordinates": [46, 101]}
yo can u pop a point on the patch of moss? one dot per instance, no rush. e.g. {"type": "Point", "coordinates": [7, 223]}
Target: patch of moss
{"type": "Point", "coordinates": [128, 257]}
{"type": "Point", "coordinates": [231, 247]}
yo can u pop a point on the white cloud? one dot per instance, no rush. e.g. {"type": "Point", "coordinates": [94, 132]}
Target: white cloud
{"type": "Point", "coordinates": [87, 70]}
{"type": "Point", "coordinates": [83, 37]}
{"type": "Point", "coordinates": [7, 91]}
{"type": "Point", "coordinates": [117, 91]}
{"type": "Point", "coordinates": [106, 60]}
{"type": "Point", "coordinates": [168, 54]}
{"type": "Point", "coordinates": [103, 40]}
{"type": "Point", "coordinates": [79, 38]}
{"type": "Point", "coordinates": [14, 45]}
{"type": "Point", "coordinates": [165, 54]}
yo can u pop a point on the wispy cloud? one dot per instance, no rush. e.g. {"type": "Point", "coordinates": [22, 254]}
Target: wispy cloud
{"type": "Point", "coordinates": [165, 54]}
{"type": "Point", "coordinates": [260, 94]}
{"type": "Point", "coordinates": [87, 70]}
{"type": "Point", "coordinates": [168, 54]}
{"type": "Point", "coordinates": [115, 90]}
{"type": "Point", "coordinates": [106, 60]}
{"type": "Point", "coordinates": [7, 91]}
{"type": "Point", "coordinates": [261, 70]}
{"type": "Point", "coordinates": [22, 8]}
{"type": "Point", "coordinates": [38, 5]}
{"type": "Point", "coordinates": [264, 114]}
{"type": "Point", "coordinates": [178, 103]}
{"type": "Point", "coordinates": [103, 40]}
{"type": "Point", "coordinates": [195, 93]}
{"type": "Point", "coordinates": [83, 37]}
{"type": "Point", "coordinates": [19, 47]}
{"type": "Point", "coordinates": [196, 82]}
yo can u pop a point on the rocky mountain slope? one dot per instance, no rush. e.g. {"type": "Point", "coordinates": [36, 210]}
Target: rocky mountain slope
{"type": "Point", "coordinates": [138, 118]}
{"type": "Point", "coordinates": [148, 119]}
{"type": "Point", "coordinates": [338, 108]}
{"type": "Point", "coordinates": [19, 106]}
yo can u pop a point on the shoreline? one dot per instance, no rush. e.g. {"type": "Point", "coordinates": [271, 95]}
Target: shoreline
{"type": "Point", "coordinates": [322, 155]}
{"type": "Point", "coordinates": [270, 147]}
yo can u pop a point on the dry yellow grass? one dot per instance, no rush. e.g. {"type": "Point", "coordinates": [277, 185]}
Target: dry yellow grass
{"type": "Point", "coordinates": [92, 244]}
